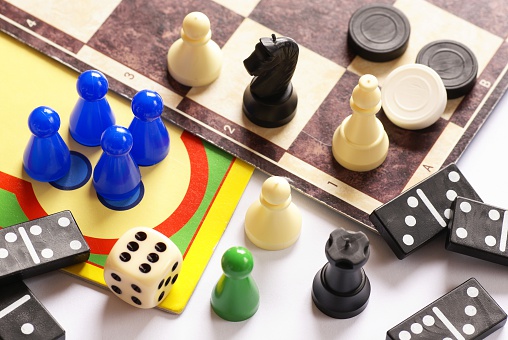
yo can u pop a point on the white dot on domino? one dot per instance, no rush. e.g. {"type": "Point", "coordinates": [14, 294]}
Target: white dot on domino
{"type": "Point", "coordinates": [472, 292]}
{"type": "Point", "coordinates": [416, 328]}
{"type": "Point", "coordinates": [454, 176]}
{"type": "Point", "coordinates": [75, 245]}
{"type": "Point", "coordinates": [11, 237]}
{"type": "Point", "coordinates": [490, 240]}
{"type": "Point", "coordinates": [408, 240]}
{"type": "Point", "coordinates": [428, 320]}
{"type": "Point", "coordinates": [410, 221]}
{"type": "Point", "coordinates": [64, 222]}
{"type": "Point", "coordinates": [404, 335]}
{"type": "Point", "coordinates": [461, 233]}
{"type": "Point", "coordinates": [47, 253]}
{"type": "Point", "coordinates": [470, 310]}
{"type": "Point", "coordinates": [448, 213]}
{"type": "Point", "coordinates": [27, 328]}
{"type": "Point", "coordinates": [35, 230]}
{"type": "Point", "coordinates": [412, 201]}
{"type": "Point", "coordinates": [465, 207]}
{"type": "Point", "coordinates": [494, 215]}
{"type": "Point", "coordinates": [451, 195]}
{"type": "Point", "coordinates": [3, 253]}
{"type": "Point", "coordinates": [468, 329]}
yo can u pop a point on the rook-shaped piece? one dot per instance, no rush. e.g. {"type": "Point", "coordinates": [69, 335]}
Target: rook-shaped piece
{"type": "Point", "coordinates": [341, 289]}
{"type": "Point", "coordinates": [270, 100]}
{"type": "Point", "coordinates": [273, 222]}
{"type": "Point", "coordinates": [467, 312]}
{"type": "Point", "coordinates": [420, 213]}
{"type": "Point", "coordinates": [360, 143]}
{"type": "Point", "coordinates": [91, 114]}
{"type": "Point", "coordinates": [46, 158]}
{"type": "Point", "coordinates": [142, 267]}
{"type": "Point", "coordinates": [116, 176]}
{"type": "Point", "coordinates": [22, 316]}
{"type": "Point", "coordinates": [479, 230]}
{"type": "Point", "coordinates": [195, 59]}
{"type": "Point", "coordinates": [150, 136]}
{"type": "Point", "coordinates": [235, 297]}
{"type": "Point", "coordinates": [40, 246]}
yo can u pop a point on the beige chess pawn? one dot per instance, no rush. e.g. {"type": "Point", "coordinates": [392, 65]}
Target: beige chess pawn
{"type": "Point", "coordinates": [195, 59]}
{"type": "Point", "coordinates": [360, 143]}
{"type": "Point", "coordinates": [273, 222]}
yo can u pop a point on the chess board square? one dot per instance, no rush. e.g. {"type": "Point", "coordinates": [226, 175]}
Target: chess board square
{"type": "Point", "coordinates": [72, 17]}
{"type": "Point", "coordinates": [328, 21]}
{"type": "Point", "coordinates": [139, 34]}
{"type": "Point", "coordinates": [243, 7]}
{"type": "Point", "coordinates": [313, 79]}
{"type": "Point", "coordinates": [491, 16]}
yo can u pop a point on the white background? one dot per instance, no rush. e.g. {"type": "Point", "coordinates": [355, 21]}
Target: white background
{"type": "Point", "coordinates": [284, 278]}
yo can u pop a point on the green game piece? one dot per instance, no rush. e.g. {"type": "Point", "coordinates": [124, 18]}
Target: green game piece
{"type": "Point", "coordinates": [236, 296]}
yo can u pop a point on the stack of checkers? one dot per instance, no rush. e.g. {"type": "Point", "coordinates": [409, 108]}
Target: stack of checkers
{"type": "Point", "coordinates": [444, 202]}
{"type": "Point", "coordinates": [414, 95]}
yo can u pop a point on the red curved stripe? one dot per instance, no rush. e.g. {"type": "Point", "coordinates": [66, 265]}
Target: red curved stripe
{"type": "Point", "coordinates": [188, 206]}
{"type": "Point", "coordinates": [195, 191]}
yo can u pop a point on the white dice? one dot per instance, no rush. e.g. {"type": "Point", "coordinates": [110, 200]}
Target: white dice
{"type": "Point", "coordinates": [142, 267]}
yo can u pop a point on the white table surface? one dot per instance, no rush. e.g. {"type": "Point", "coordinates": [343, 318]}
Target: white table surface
{"type": "Point", "coordinates": [284, 278]}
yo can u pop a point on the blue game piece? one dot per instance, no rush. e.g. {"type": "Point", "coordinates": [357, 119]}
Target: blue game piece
{"type": "Point", "coordinates": [46, 157]}
{"type": "Point", "coordinates": [151, 138]}
{"type": "Point", "coordinates": [92, 113]}
{"type": "Point", "coordinates": [116, 176]}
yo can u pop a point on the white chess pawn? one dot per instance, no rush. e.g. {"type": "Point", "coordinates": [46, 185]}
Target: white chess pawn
{"type": "Point", "coordinates": [273, 222]}
{"type": "Point", "coordinates": [360, 143]}
{"type": "Point", "coordinates": [195, 59]}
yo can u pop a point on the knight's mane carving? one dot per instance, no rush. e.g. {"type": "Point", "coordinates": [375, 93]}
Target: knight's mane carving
{"type": "Point", "coordinates": [274, 68]}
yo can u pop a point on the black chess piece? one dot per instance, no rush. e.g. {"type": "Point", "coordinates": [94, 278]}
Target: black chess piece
{"type": "Point", "coordinates": [270, 100]}
{"type": "Point", "coordinates": [341, 289]}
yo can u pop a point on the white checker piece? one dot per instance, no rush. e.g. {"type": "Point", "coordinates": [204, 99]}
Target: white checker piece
{"type": "Point", "coordinates": [413, 96]}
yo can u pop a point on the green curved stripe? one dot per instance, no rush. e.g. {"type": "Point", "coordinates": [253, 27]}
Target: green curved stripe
{"type": "Point", "coordinates": [10, 210]}
{"type": "Point", "coordinates": [218, 164]}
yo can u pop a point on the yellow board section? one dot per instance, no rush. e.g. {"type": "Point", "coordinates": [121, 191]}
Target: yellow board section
{"type": "Point", "coordinates": [30, 79]}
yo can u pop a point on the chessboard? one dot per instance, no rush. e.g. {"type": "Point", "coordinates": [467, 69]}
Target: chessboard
{"type": "Point", "coordinates": [129, 40]}
{"type": "Point", "coordinates": [189, 196]}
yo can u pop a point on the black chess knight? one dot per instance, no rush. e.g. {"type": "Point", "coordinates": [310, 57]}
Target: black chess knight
{"type": "Point", "coordinates": [270, 100]}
